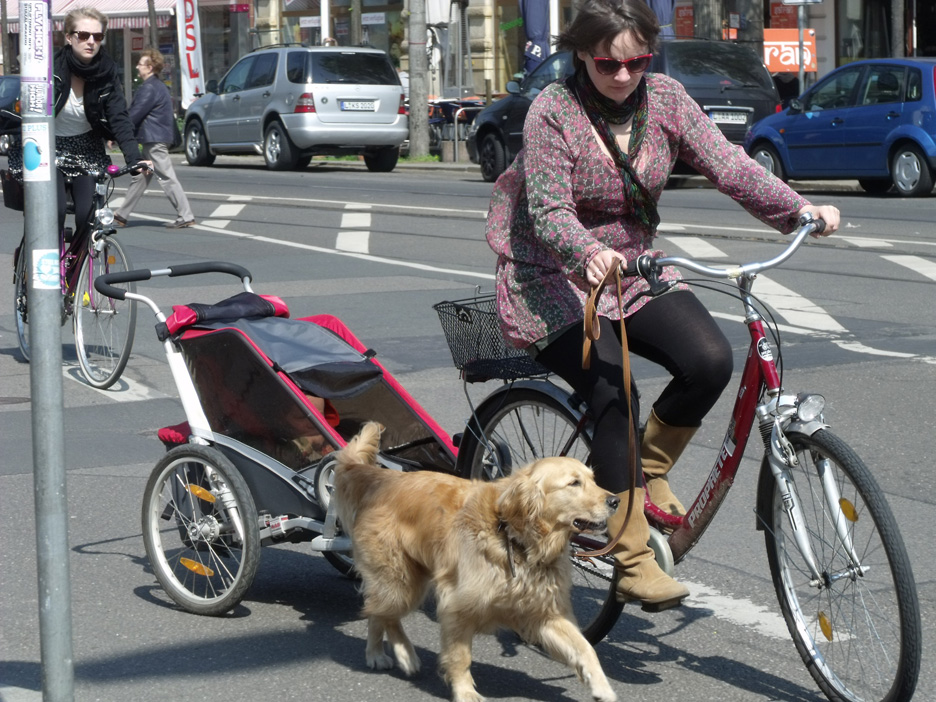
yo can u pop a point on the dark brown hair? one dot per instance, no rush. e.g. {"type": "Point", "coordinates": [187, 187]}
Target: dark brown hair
{"type": "Point", "coordinates": [597, 24]}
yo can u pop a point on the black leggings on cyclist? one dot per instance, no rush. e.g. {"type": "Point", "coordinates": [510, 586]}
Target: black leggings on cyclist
{"type": "Point", "coordinates": [673, 330]}
{"type": "Point", "coordinates": [82, 192]}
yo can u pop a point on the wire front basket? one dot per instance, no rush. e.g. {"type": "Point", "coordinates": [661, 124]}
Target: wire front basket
{"type": "Point", "coordinates": [478, 348]}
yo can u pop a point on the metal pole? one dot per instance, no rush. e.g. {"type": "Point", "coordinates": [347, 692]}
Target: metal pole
{"type": "Point", "coordinates": [801, 23]}
{"type": "Point", "coordinates": [45, 347]}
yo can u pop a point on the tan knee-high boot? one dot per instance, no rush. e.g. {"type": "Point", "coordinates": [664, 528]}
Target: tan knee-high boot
{"type": "Point", "coordinates": [640, 578]}
{"type": "Point", "coordinates": [661, 447]}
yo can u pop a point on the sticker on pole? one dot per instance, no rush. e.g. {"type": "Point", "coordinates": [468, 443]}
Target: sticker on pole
{"type": "Point", "coordinates": [37, 153]}
{"type": "Point", "coordinates": [45, 269]}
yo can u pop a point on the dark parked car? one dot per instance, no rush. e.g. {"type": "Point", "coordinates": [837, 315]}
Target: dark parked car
{"type": "Point", "coordinates": [728, 81]}
{"type": "Point", "coordinates": [10, 121]}
{"type": "Point", "coordinates": [873, 120]}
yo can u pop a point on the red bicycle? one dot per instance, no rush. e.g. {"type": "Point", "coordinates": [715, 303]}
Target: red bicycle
{"type": "Point", "coordinates": [838, 563]}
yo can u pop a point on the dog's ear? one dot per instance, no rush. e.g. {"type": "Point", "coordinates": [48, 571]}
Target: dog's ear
{"type": "Point", "coordinates": [522, 502]}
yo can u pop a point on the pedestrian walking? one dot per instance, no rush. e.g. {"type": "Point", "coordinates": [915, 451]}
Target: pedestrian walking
{"type": "Point", "coordinates": [154, 121]}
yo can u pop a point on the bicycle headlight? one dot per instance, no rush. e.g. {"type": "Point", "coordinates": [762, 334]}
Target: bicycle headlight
{"type": "Point", "coordinates": [105, 216]}
{"type": "Point", "coordinates": [809, 406]}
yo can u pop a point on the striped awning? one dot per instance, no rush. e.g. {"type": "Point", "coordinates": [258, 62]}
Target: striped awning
{"type": "Point", "coordinates": [120, 13]}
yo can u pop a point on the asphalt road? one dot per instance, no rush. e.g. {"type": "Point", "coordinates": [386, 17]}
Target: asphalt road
{"type": "Point", "coordinates": [377, 251]}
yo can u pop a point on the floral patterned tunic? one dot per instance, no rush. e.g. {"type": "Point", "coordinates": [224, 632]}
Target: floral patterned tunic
{"type": "Point", "coordinates": [561, 202]}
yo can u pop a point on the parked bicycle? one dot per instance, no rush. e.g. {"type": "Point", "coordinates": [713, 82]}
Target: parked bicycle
{"type": "Point", "coordinates": [104, 327]}
{"type": "Point", "coordinates": [840, 570]}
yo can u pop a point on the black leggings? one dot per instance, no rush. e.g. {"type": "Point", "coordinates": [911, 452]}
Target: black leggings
{"type": "Point", "coordinates": [673, 330]}
{"type": "Point", "coordinates": [82, 192]}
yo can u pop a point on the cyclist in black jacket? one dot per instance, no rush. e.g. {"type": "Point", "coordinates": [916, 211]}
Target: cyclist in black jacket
{"type": "Point", "coordinates": [90, 109]}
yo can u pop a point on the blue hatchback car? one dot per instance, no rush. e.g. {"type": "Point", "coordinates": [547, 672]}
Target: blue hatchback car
{"type": "Point", "coordinates": [873, 120]}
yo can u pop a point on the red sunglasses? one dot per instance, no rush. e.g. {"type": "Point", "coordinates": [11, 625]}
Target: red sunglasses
{"type": "Point", "coordinates": [610, 66]}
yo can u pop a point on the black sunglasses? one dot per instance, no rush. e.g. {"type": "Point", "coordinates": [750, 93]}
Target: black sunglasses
{"type": "Point", "coordinates": [84, 36]}
{"type": "Point", "coordinates": [610, 66]}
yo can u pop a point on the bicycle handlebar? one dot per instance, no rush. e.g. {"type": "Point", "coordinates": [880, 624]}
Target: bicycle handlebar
{"type": "Point", "coordinates": [104, 284]}
{"type": "Point", "coordinates": [646, 266]}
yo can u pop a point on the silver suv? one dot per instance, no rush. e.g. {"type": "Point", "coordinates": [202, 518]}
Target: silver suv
{"type": "Point", "coordinates": [291, 102]}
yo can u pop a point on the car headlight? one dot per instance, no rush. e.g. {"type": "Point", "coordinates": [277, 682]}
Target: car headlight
{"type": "Point", "coordinates": [105, 216]}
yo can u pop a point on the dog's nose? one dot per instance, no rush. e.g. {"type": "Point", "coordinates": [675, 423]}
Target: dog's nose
{"type": "Point", "coordinates": [613, 501]}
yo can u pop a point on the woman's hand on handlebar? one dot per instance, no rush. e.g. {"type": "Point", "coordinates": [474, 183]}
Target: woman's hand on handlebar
{"type": "Point", "coordinates": [827, 213]}
{"type": "Point", "coordinates": [601, 263]}
{"type": "Point", "coordinates": [142, 166]}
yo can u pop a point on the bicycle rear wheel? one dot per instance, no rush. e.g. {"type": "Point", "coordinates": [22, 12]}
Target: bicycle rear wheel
{"type": "Point", "coordinates": [525, 426]}
{"type": "Point", "coordinates": [21, 301]}
{"type": "Point", "coordinates": [104, 327]}
{"type": "Point", "coordinates": [200, 529]}
{"type": "Point", "coordinates": [858, 630]}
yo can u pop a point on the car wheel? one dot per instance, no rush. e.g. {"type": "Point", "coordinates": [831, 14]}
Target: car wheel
{"type": "Point", "coordinates": [767, 156]}
{"type": "Point", "coordinates": [875, 186]}
{"type": "Point", "coordinates": [278, 151]}
{"type": "Point", "coordinates": [303, 162]}
{"type": "Point", "coordinates": [196, 145]}
{"type": "Point", "coordinates": [492, 158]}
{"type": "Point", "coordinates": [910, 172]}
{"type": "Point", "coordinates": [382, 160]}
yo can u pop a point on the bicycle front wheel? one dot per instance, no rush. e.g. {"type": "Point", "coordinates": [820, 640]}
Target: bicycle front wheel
{"type": "Point", "coordinates": [858, 627]}
{"type": "Point", "coordinates": [104, 327]}
{"type": "Point", "coordinates": [525, 426]}
{"type": "Point", "coordinates": [21, 301]}
{"type": "Point", "coordinates": [200, 529]}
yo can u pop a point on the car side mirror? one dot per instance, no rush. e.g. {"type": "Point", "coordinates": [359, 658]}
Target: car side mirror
{"type": "Point", "coordinates": [513, 87]}
{"type": "Point", "coordinates": [212, 86]}
{"type": "Point", "coordinates": [796, 105]}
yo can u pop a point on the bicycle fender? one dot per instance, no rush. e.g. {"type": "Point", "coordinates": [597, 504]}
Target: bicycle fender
{"type": "Point", "coordinates": [808, 428]}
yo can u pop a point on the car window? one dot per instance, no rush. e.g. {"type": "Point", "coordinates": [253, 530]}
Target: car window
{"type": "Point", "coordinates": [236, 78]}
{"type": "Point", "coordinates": [9, 87]}
{"type": "Point", "coordinates": [352, 67]}
{"type": "Point", "coordinates": [700, 64]}
{"type": "Point", "coordinates": [296, 62]}
{"type": "Point", "coordinates": [883, 84]}
{"type": "Point", "coordinates": [554, 68]}
{"type": "Point", "coordinates": [263, 71]}
{"type": "Point", "coordinates": [836, 91]}
{"type": "Point", "coordinates": [914, 85]}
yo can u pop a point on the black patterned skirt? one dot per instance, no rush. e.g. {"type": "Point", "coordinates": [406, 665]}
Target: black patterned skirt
{"type": "Point", "coordinates": [86, 149]}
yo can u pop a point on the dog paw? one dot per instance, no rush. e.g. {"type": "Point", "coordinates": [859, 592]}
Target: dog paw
{"type": "Point", "coordinates": [467, 696]}
{"type": "Point", "coordinates": [379, 661]}
{"type": "Point", "coordinates": [604, 695]}
{"type": "Point", "coordinates": [407, 660]}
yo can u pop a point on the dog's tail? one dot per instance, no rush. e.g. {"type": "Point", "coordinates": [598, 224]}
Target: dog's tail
{"type": "Point", "coordinates": [363, 447]}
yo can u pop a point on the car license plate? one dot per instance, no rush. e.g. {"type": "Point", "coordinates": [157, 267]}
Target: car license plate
{"type": "Point", "coordinates": [728, 117]}
{"type": "Point", "coordinates": [357, 105]}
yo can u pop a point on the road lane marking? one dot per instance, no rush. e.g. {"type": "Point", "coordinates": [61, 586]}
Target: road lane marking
{"type": "Point", "coordinates": [863, 242]}
{"type": "Point", "coordinates": [916, 264]}
{"type": "Point", "coordinates": [737, 610]}
{"type": "Point", "coordinates": [124, 390]}
{"type": "Point", "coordinates": [227, 211]}
{"type": "Point", "coordinates": [795, 308]}
{"type": "Point", "coordinates": [696, 247]}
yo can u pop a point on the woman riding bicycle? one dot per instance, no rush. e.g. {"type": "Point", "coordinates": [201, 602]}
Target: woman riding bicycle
{"type": "Point", "coordinates": [89, 109]}
{"type": "Point", "coordinates": [580, 199]}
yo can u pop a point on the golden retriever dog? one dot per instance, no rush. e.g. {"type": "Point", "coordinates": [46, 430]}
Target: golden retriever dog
{"type": "Point", "coordinates": [497, 554]}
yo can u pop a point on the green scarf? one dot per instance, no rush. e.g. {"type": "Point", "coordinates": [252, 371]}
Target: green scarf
{"type": "Point", "coordinates": [602, 112]}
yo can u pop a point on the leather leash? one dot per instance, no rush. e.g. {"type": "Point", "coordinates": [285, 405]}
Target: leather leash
{"type": "Point", "coordinates": [592, 333]}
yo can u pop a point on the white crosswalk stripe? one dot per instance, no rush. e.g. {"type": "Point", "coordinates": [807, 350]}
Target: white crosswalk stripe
{"type": "Point", "coordinates": [696, 247]}
{"type": "Point", "coordinates": [355, 230]}
{"type": "Point", "coordinates": [919, 265]}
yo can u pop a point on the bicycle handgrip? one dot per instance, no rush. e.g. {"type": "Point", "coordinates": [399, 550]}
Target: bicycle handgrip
{"type": "Point", "coordinates": [209, 267]}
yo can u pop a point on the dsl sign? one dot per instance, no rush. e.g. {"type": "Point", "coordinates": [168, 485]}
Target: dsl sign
{"type": "Point", "coordinates": [190, 51]}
